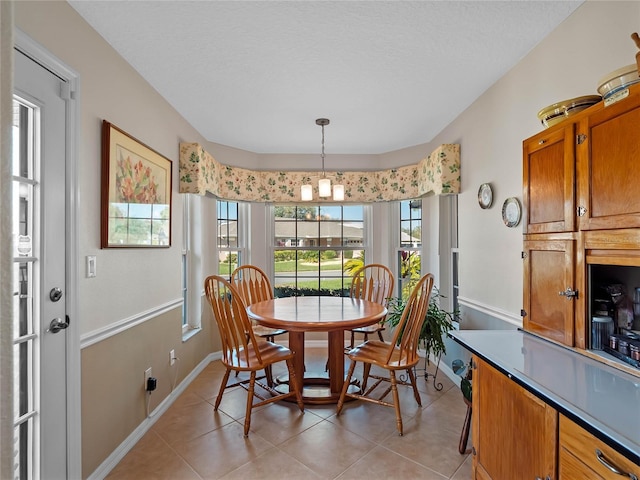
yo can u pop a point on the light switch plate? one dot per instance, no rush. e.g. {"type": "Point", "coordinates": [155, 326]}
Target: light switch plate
{"type": "Point", "coordinates": [91, 266]}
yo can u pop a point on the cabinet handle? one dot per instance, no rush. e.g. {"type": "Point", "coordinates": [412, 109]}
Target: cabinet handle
{"type": "Point", "coordinates": [569, 293]}
{"type": "Point", "coordinates": [604, 461]}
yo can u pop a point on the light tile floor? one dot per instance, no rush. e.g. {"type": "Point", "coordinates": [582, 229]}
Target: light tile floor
{"type": "Point", "coordinates": [191, 441]}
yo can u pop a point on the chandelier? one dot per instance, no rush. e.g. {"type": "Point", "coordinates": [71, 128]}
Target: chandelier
{"type": "Point", "coordinates": [324, 184]}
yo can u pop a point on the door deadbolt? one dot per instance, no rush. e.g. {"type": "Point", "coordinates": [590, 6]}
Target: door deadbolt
{"type": "Point", "coordinates": [55, 294]}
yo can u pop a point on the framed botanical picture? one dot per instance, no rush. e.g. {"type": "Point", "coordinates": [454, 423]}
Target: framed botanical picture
{"type": "Point", "coordinates": [136, 193]}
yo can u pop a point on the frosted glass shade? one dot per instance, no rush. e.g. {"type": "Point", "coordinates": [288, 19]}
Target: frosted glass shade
{"type": "Point", "coordinates": [338, 193]}
{"type": "Point", "coordinates": [324, 187]}
{"type": "Point", "coordinates": [306, 193]}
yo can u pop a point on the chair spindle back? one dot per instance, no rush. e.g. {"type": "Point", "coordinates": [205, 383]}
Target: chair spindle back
{"type": "Point", "coordinates": [373, 282]}
{"type": "Point", "coordinates": [407, 332]}
{"type": "Point", "coordinates": [252, 284]}
{"type": "Point", "coordinates": [230, 313]}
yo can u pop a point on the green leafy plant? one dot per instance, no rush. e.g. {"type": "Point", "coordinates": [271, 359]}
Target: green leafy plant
{"type": "Point", "coordinates": [465, 372]}
{"type": "Point", "coordinates": [437, 323]}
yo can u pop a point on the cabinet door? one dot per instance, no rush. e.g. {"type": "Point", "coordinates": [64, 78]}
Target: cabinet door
{"type": "Point", "coordinates": [609, 185]}
{"type": "Point", "coordinates": [548, 272]}
{"type": "Point", "coordinates": [514, 432]}
{"type": "Point", "coordinates": [549, 181]}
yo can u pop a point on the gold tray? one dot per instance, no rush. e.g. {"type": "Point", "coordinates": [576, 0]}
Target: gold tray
{"type": "Point", "coordinates": [557, 112]}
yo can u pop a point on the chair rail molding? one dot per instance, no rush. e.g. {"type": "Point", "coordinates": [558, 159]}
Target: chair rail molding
{"type": "Point", "coordinates": [492, 311]}
{"type": "Point", "coordinates": [101, 334]}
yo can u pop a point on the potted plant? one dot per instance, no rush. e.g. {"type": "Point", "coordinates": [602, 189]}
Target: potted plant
{"type": "Point", "coordinates": [459, 368]}
{"type": "Point", "coordinates": [437, 323]}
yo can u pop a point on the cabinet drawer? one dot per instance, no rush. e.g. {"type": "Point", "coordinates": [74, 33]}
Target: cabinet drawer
{"type": "Point", "coordinates": [572, 468]}
{"type": "Point", "coordinates": [583, 445]}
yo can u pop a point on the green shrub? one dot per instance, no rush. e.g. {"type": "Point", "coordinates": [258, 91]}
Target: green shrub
{"type": "Point", "coordinates": [284, 255]}
{"type": "Point", "coordinates": [329, 255]}
{"type": "Point", "coordinates": [291, 291]}
{"type": "Point", "coordinates": [310, 256]}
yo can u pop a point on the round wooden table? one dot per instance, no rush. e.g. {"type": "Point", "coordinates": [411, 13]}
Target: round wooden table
{"type": "Point", "coordinates": [318, 314]}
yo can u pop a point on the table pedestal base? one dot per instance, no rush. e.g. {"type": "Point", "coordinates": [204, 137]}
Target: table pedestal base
{"type": "Point", "coordinates": [316, 389]}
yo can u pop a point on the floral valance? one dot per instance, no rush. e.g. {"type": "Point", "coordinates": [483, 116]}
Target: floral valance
{"type": "Point", "coordinates": [438, 174]}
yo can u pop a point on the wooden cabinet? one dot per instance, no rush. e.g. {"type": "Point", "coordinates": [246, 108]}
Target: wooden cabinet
{"type": "Point", "coordinates": [549, 181]}
{"type": "Point", "coordinates": [608, 186]}
{"type": "Point", "coordinates": [591, 157]}
{"type": "Point", "coordinates": [579, 177]}
{"type": "Point", "coordinates": [571, 468]}
{"type": "Point", "coordinates": [514, 432]}
{"type": "Point", "coordinates": [549, 283]}
{"type": "Point", "coordinates": [583, 456]}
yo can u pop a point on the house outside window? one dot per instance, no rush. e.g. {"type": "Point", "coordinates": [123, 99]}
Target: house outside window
{"type": "Point", "coordinates": [315, 247]}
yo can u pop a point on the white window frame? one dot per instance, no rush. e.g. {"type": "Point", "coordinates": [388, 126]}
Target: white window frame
{"type": "Point", "coordinates": [454, 259]}
{"type": "Point", "coordinates": [242, 231]}
{"type": "Point", "coordinates": [367, 229]}
{"type": "Point", "coordinates": [396, 219]}
{"type": "Point", "coordinates": [190, 323]}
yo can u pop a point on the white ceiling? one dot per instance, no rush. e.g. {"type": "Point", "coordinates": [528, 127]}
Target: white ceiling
{"type": "Point", "coordinates": [388, 74]}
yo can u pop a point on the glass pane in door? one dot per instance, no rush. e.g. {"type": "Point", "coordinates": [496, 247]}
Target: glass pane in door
{"type": "Point", "coordinates": [24, 309]}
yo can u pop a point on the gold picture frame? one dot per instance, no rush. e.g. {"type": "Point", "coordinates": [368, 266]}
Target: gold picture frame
{"type": "Point", "coordinates": [136, 193]}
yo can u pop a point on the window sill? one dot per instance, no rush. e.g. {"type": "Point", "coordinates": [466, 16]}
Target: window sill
{"type": "Point", "coordinates": [189, 333]}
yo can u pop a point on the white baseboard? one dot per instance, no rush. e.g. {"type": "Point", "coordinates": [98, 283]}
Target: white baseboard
{"type": "Point", "coordinates": [444, 368]}
{"type": "Point", "coordinates": [118, 454]}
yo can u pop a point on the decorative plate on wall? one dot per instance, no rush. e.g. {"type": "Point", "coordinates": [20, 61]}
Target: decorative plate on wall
{"type": "Point", "coordinates": [511, 212]}
{"type": "Point", "coordinates": [485, 195]}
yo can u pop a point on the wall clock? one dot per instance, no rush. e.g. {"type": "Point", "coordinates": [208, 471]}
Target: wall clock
{"type": "Point", "coordinates": [485, 195]}
{"type": "Point", "coordinates": [511, 212]}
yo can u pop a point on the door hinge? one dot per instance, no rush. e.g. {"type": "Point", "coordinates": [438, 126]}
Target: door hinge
{"type": "Point", "coordinates": [523, 312]}
{"type": "Point", "coordinates": [580, 139]}
{"type": "Point", "coordinates": [523, 255]}
{"type": "Point", "coordinates": [581, 211]}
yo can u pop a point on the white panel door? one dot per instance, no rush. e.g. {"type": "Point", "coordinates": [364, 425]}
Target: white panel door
{"type": "Point", "coordinates": [40, 313]}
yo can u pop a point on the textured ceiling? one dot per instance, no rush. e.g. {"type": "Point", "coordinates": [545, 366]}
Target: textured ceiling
{"type": "Point", "coordinates": [388, 74]}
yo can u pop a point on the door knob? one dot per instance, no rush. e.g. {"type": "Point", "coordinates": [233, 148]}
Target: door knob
{"type": "Point", "coordinates": [57, 324]}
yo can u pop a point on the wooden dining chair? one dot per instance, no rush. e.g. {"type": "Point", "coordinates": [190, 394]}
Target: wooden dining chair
{"type": "Point", "coordinates": [254, 286]}
{"type": "Point", "coordinates": [241, 352]}
{"type": "Point", "coordinates": [373, 282]}
{"type": "Point", "coordinates": [400, 354]}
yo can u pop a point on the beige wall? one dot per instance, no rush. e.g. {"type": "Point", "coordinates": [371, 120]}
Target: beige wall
{"type": "Point", "coordinates": [113, 398]}
{"type": "Point", "coordinates": [592, 42]}
{"type": "Point", "coordinates": [130, 282]}
{"type": "Point", "coordinates": [568, 63]}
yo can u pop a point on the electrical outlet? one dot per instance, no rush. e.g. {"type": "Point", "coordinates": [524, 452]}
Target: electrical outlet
{"type": "Point", "coordinates": [147, 373]}
{"type": "Point", "coordinates": [172, 357]}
